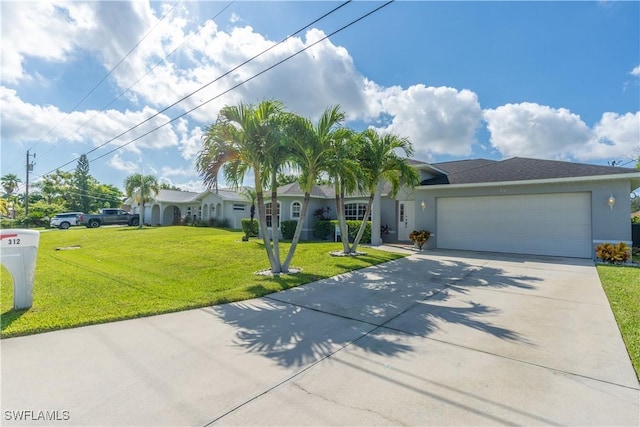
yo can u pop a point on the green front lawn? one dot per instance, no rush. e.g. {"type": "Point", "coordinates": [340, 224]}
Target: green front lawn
{"type": "Point", "coordinates": [126, 272]}
{"type": "Point", "coordinates": [622, 286]}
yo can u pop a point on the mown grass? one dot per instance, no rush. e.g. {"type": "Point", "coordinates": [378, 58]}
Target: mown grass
{"type": "Point", "coordinates": [622, 286]}
{"type": "Point", "coordinates": [125, 272]}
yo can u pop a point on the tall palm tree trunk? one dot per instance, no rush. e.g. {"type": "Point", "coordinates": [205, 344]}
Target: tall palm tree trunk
{"type": "Point", "coordinates": [363, 225]}
{"type": "Point", "coordinates": [342, 222]}
{"type": "Point", "coordinates": [262, 219]}
{"type": "Point", "coordinates": [275, 223]}
{"type": "Point", "coordinates": [298, 232]}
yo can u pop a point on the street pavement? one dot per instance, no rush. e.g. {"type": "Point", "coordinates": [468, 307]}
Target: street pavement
{"type": "Point", "coordinates": [436, 338]}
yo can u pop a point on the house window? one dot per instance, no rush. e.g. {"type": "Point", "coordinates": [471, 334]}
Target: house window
{"type": "Point", "coordinates": [238, 207]}
{"type": "Point", "coordinates": [295, 210]}
{"type": "Point", "coordinates": [269, 214]}
{"type": "Point", "coordinates": [355, 211]}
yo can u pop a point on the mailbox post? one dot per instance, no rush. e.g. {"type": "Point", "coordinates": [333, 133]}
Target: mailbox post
{"type": "Point", "coordinates": [18, 253]}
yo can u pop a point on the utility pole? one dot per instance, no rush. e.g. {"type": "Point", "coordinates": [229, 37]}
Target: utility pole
{"type": "Point", "coordinates": [26, 191]}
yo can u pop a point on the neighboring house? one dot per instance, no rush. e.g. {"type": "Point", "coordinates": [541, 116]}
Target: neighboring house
{"type": "Point", "coordinates": [169, 207]}
{"type": "Point", "coordinates": [517, 205]}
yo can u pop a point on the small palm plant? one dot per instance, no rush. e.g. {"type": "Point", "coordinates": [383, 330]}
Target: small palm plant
{"type": "Point", "coordinates": [419, 238]}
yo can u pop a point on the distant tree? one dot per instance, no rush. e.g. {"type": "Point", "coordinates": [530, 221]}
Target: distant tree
{"type": "Point", "coordinates": [284, 179]}
{"type": "Point", "coordinates": [82, 186]}
{"type": "Point", "coordinates": [56, 188]}
{"type": "Point", "coordinates": [166, 186]}
{"type": "Point", "coordinates": [145, 185]}
{"type": "Point", "coordinates": [104, 196]}
{"type": "Point", "coordinates": [10, 183]}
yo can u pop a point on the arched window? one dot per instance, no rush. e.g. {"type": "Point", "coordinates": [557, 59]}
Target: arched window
{"type": "Point", "coordinates": [295, 210]}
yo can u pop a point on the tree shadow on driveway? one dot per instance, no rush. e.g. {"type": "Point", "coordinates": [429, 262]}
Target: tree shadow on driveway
{"type": "Point", "coordinates": [300, 326]}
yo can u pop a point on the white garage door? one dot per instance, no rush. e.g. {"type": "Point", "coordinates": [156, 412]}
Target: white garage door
{"type": "Point", "coordinates": [539, 224]}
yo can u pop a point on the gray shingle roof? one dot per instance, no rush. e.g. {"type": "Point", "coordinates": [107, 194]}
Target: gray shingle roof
{"type": "Point", "coordinates": [517, 169]}
{"type": "Point", "coordinates": [321, 191]}
{"type": "Point", "coordinates": [176, 196]}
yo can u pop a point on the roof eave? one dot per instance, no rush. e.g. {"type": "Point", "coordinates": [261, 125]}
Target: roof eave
{"type": "Point", "coordinates": [634, 178]}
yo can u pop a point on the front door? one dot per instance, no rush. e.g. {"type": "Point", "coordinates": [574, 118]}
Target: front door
{"type": "Point", "coordinates": [406, 222]}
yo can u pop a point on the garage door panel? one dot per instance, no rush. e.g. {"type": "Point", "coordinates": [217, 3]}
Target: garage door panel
{"type": "Point", "coordinates": [541, 224]}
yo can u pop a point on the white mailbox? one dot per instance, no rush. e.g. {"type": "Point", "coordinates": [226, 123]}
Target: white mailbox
{"type": "Point", "coordinates": [19, 251]}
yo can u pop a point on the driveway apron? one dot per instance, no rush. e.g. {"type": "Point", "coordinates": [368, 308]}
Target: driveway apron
{"type": "Point", "coordinates": [437, 338]}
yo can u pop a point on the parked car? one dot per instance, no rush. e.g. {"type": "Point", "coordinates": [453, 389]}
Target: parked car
{"type": "Point", "coordinates": [110, 217]}
{"type": "Point", "coordinates": [66, 219]}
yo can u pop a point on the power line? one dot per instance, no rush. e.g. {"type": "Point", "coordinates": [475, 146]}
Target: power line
{"type": "Point", "coordinates": [245, 81]}
{"type": "Point", "coordinates": [144, 75]}
{"type": "Point", "coordinates": [215, 80]}
{"type": "Point", "coordinates": [105, 77]}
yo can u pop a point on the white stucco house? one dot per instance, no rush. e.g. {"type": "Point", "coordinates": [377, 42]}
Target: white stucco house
{"type": "Point", "coordinates": [517, 205]}
{"type": "Point", "coordinates": [169, 207]}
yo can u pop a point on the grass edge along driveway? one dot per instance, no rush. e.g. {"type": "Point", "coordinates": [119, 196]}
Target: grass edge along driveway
{"type": "Point", "coordinates": [621, 284]}
{"type": "Point", "coordinates": [89, 276]}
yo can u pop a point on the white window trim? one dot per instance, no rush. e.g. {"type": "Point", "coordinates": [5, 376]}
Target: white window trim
{"type": "Point", "coordinates": [359, 202]}
{"type": "Point", "coordinates": [279, 211]}
{"type": "Point", "coordinates": [299, 209]}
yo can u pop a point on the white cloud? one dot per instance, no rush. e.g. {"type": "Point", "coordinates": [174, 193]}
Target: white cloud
{"type": "Point", "coordinates": [27, 123]}
{"type": "Point", "coordinates": [191, 143]}
{"type": "Point", "coordinates": [635, 71]}
{"type": "Point", "coordinates": [437, 120]}
{"type": "Point", "coordinates": [616, 136]}
{"type": "Point", "coordinates": [48, 30]}
{"type": "Point", "coordinates": [533, 130]}
{"type": "Point", "coordinates": [116, 162]}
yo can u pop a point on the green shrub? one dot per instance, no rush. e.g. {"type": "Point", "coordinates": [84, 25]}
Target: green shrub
{"type": "Point", "coordinates": [353, 227]}
{"type": "Point", "coordinates": [635, 219]}
{"type": "Point", "coordinates": [322, 229]}
{"type": "Point", "coordinates": [9, 223]}
{"type": "Point", "coordinates": [613, 253]}
{"type": "Point", "coordinates": [288, 229]}
{"type": "Point", "coordinates": [250, 228]}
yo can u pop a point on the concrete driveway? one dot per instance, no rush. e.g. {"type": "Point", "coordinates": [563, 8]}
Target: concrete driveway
{"type": "Point", "coordinates": [437, 338]}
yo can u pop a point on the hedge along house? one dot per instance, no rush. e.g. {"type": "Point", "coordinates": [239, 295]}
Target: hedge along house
{"type": "Point", "coordinates": [522, 205]}
{"type": "Point", "coordinates": [170, 207]}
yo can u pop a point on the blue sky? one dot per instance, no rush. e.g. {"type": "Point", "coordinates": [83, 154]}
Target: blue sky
{"type": "Point", "coordinates": [553, 80]}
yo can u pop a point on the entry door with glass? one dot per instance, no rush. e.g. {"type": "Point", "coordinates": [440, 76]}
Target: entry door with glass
{"type": "Point", "coordinates": [406, 221]}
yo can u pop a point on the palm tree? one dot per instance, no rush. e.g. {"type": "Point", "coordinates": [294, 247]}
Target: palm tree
{"type": "Point", "coordinates": [379, 160]}
{"type": "Point", "coordinates": [146, 185]}
{"type": "Point", "coordinates": [10, 182]}
{"type": "Point", "coordinates": [311, 150]}
{"type": "Point", "coordinates": [4, 207]}
{"type": "Point", "coordinates": [244, 138]}
{"type": "Point", "coordinates": [345, 174]}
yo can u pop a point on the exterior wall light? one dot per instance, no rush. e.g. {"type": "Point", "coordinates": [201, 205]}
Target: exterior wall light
{"type": "Point", "coordinates": [423, 205]}
{"type": "Point", "coordinates": [611, 201]}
